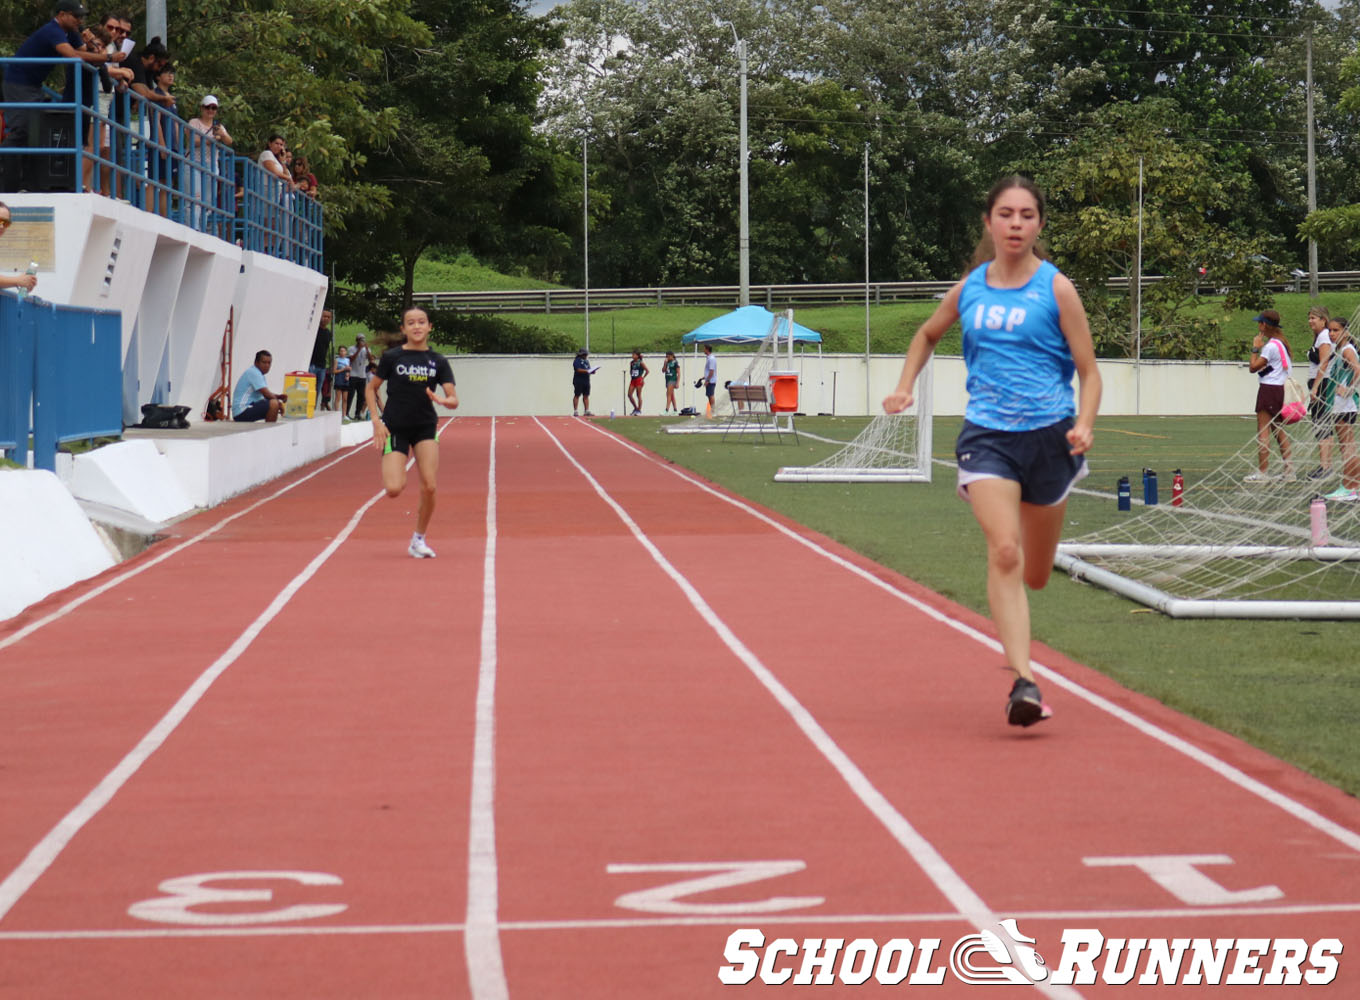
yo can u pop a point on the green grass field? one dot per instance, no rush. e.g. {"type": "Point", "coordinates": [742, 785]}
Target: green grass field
{"type": "Point", "coordinates": [1291, 688]}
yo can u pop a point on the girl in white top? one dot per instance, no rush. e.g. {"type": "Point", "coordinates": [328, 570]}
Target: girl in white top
{"type": "Point", "coordinates": [1344, 374]}
{"type": "Point", "coordinates": [1318, 356]}
{"type": "Point", "coordinates": [1270, 361]}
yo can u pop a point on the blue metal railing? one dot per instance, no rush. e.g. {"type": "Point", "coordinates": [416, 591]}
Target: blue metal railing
{"type": "Point", "coordinates": [158, 163]}
{"type": "Point", "coordinates": [60, 376]}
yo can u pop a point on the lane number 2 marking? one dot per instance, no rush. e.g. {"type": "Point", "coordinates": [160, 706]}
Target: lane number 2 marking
{"type": "Point", "coordinates": [184, 893]}
{"type": "Point", "coordinates": [670, 898]}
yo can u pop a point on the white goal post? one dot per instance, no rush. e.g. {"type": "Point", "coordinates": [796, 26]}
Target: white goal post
{"type": "Point", "coordinates": [893, 448]}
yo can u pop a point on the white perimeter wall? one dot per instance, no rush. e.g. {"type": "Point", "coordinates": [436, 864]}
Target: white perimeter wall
{"type": "Point", "coordinates": [506, 385]}
{"type": "Point", "coordinates": [176, 289]}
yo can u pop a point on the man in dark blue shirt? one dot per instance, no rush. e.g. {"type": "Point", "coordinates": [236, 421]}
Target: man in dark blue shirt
{"type": "Point", "coordinates": [59, 38]}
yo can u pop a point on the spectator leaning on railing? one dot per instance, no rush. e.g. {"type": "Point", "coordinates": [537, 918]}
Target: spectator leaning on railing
{"type": "Point", "coordinates": [59, 38]}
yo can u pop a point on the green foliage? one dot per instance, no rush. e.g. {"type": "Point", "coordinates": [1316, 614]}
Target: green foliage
{"type": "Point", "coordinates": [1188, 199]}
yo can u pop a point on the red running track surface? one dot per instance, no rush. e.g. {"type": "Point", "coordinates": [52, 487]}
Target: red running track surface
{"type": "Point", "coordinates": [622, 716]}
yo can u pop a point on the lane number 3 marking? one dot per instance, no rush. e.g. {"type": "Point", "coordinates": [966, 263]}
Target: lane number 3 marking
{"type": "Point", "coordinates": [669, 898]}
{"type": "Point", "coordinates": [186, 892]}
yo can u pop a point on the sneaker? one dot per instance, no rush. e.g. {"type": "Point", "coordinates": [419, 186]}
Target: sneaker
{"type": "Point", "coordinates": [1319, 473]}
{"type": "Point", "coordinates": [1256, 477]}
{"type": "Point", "coordinates": [419, 550]}
{"type": "Point", "coordinates": [1341, 493]}
{"type": "Point", "coordinates": [589, 414]}
{"type": "Point", "coordinates": [1026, 706]}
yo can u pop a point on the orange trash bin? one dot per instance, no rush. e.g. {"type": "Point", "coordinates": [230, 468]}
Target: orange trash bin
{"type": "Point", "coordinates": [783, 392]}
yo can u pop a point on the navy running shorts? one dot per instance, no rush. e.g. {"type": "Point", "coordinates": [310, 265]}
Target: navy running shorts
{"type": "Point", "coordinates": [1041, 460]}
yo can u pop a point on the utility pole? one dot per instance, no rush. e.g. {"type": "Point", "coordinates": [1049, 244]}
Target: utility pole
{"type": "Point", "coordinates": [585, 224]}
{"type": "Point", "coordinates": [868, 399]}
{"type": "Point", "coordinates": [744, 235]}
{"type": "Point", "coordinates": [1312, 176]}
{"type": "Point", "coordinates": [155, 21]}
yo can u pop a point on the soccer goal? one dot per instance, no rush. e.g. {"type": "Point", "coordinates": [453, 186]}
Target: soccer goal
{"type": "Point", "coordinates": [893, 448]}
{"type": "Point", "coordinates": [1235, 548]}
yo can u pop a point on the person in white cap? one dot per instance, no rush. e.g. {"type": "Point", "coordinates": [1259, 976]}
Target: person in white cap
{"type": "Point", "coordinates": [202, 155]}
{"type": "Point", "coordinates": [206, 122]}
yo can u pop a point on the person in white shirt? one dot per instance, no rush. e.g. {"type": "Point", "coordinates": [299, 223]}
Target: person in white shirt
{"type": "Point", "coordinates": [1270, 362]}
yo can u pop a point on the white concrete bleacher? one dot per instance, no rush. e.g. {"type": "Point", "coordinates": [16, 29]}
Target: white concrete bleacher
{"type": "Point", "coordinates": [60, 528]}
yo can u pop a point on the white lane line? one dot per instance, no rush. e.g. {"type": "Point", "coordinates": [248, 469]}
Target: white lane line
{"type": "Point", "coordinates": [482, 943]}
{"type": "Point", "coordinates": [922, 851]}
{"type": "Point", "coordinates": [41, 857]}
{"type": "Point", "coordinates": [159, 558]}
{"type": "Point", "coordinates": [1294, 808]}
{"type": "Point", "coordinates": [1070, 917]}
{"type": "Point", "coordinates": [45, 852]}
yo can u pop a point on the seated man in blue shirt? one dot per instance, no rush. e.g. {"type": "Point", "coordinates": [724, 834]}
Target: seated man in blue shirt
{"type": "Point", "coordinates": [252, 399]}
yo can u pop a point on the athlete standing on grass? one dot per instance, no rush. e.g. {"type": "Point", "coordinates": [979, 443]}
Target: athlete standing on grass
{"type": "Point", "coordinates": [1020, 450]}
{"type": "Point", "coordinates": [408, 422]}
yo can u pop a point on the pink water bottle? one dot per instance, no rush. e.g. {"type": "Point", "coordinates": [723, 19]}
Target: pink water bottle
{"type": "Point", "coordinates": [1317, 511]}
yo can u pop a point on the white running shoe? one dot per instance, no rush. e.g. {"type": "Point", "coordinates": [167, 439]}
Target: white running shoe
{"type": "Point", "coordinates": [419, 550]}
{"type": "Point", "coordinates": [1256, 477]}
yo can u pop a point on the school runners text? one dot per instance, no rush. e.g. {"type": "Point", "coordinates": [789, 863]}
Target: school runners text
{"type": "Point", "coordinates": [1008, 956]}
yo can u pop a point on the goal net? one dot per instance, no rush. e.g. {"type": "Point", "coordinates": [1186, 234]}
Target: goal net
{"type": "Point", "coordinates": [1235, 548]}
{"type": "Point", "coordinates": [756, 372]}
{"type": "Point", "coordinates": [893, 448]}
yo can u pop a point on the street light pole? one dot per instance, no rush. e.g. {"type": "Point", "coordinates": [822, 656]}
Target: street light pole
{"type": "Point", "coordinates": [585, 226]}
{"type": "Point", "coordinates": [155, 21]}
{"type": "Point", "coordinates": [744, 235]}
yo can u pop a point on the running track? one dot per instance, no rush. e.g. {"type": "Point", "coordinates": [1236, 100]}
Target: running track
{"type": "Point", "coordinates": [489, 774]}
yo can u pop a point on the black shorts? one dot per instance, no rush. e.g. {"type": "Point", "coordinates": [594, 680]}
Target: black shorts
{"type": "Point", "coordinates": [581, 384]}
{"type": "Point", "coordinates": [1040, 460]}
{"type": "Point", "coordinates": [403, 438]}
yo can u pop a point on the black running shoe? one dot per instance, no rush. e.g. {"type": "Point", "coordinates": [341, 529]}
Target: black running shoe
{"type": "Point", "coordinates": [1026, 706]}
{"type": "Point", "coordinates": [1318, 473]}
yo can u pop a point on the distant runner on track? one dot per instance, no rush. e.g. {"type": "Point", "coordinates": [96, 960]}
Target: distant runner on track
{"type": "Point", "coordinates": [1022, 444]}
{"type": "Point", "coordinates": [408, 421]}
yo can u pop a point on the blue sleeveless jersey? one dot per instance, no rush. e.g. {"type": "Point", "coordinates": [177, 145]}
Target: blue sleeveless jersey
{"type": "Point", "coordinates": [1019, 365]}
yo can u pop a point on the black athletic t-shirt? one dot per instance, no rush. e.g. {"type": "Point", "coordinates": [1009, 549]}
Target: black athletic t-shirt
{"type": "Point", "coordinates": [407, 374]}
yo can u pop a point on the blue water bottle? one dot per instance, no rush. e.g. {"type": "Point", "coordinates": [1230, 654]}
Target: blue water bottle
{"type": "Point", "coordinates": [1125, 494]}
{"type": "Point", "coordinates": [1149, 488]}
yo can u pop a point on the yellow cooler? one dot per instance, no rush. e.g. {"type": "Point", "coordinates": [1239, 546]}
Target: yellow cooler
{"type": "Point", "coordinates": [300, 388]}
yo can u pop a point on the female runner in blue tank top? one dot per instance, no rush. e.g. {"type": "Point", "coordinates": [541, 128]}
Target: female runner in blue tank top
{"type": "Point", "coordinates": [1020, 450]}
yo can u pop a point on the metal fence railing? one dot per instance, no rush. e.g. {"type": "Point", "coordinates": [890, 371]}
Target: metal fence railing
{"type": "Point", "coordinates": [773, 297]}
{"type": "Point", "coordinates": [60, 376]}
{"type": "Point", "coordinates": [156, 162]}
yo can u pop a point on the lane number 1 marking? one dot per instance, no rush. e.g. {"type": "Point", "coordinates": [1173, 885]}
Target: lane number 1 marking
{"type": "Point", "coordinates": [670, 898]}
{"type": "Point", "coordinates": [184, 893]}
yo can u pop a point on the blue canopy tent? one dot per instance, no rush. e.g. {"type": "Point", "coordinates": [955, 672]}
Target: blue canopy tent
{"type": "Point", "coordinates": [744, 325]}
{"type": "Point", "coordinates": [751, 325]}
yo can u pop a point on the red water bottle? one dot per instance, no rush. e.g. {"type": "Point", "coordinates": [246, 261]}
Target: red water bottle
{"type": "Point", "coordinates": [1177, 488]}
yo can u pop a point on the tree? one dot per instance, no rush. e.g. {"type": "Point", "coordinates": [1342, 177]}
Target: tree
{"type": "Point", "coordinates": [460, 167]}
{"type": "Point", "coordinates": [1094, 229]}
